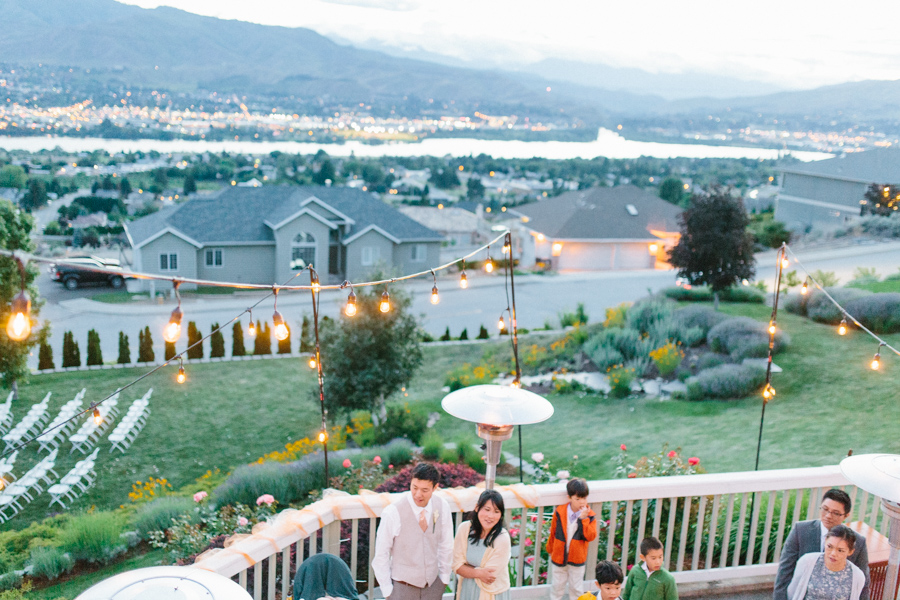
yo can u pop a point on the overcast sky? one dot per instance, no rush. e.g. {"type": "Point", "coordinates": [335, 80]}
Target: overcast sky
{"type": "Point", "coordinates": [786, 42]}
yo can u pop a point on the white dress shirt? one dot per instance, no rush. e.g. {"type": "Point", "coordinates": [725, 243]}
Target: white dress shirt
{"type": "Point", "coordinates": [824, 535]}
{"type": "Point", "coordinates": [390, 529]}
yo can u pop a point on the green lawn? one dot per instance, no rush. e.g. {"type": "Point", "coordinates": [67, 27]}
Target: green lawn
{"type": "Point", "coordinates": [891, 285]}
{"type": "Point", "coordinates": [79, 582]}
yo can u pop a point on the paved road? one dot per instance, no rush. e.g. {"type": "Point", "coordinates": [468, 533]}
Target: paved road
{"type": "Point", "coordinates": [539, 299]}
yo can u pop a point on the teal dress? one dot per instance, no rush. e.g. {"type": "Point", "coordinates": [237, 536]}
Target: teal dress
{"type": "Point", "coordinates": [469, 590]}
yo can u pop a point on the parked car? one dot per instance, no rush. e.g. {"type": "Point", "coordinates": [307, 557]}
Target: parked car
{"type": "Point", "coordinates": [73, 276]}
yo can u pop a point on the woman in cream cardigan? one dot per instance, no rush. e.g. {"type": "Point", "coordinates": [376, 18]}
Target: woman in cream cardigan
{"type": "Point", "coordinates": [829, 575]}
{"type": "Point", "coordinates": [481, 552]}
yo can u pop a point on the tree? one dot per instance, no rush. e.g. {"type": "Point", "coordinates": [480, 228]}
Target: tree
{"type": "Point", "coordinates": [715, 248]}
{"type": "Point", "coordinates": [190, 185]}
{"type": "Point", "coordinates": [446, 337]}
{"type": "Point", "coordinates": [482, 333]}
{"type": "Point", "coordinates": [193, 338]}
{"type": "Point", "coordinates": [15, 232]}
{"type": "Point", "coordinates": [881, 200]}
{"type": "Point", "coordinates": [672, 190]}
{"type": "Point", "coordinates": [370, 356]}
{"type": "Point", "coordinates": [145, 346]}
{"type": "Point", "coordinates": [444, 178]}
{"type": "Point", "coordinates": [306, 344]}
{"type": "Point", "coordinates": [464, 335]}
{"type": "Point", "coordinates": [474, 188]}
{"type": "Point", "coordinates": [217, 341]}
{"type": "Point", "coordinates": [169, 351]}
{"type": "Point", "coordinates": [124, 349]}
{"type": "Point", "coordinates": [237, 340]}
{"type": "Point", "coordinates": [284, 346]}
{"type": "Point", "coordinates": [263, 342]}
{"type": "Point", "coordinates": [325, 173]}
{"type": "Point", "coordinates": [36, 196]}
{"type": "Point", "coordinates": [71, 353]}
{"type": "Point", "coordinates": [94, 354]}
{"type": "Point", "coordinates": [125, 188]}
{"type": "Point", "coordinates": [45, 357]}
{"type": "Point", "coordinates": [13, 176]}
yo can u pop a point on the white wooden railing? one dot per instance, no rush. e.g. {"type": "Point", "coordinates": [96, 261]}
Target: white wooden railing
{"type": "Point", "coordinates": [697, 517]}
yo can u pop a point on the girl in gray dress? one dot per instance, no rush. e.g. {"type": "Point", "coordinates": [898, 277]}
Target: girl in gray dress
{"type": "Point", "coordinates": [481, 552]}
{"type": "Point", "coordinates": [829, 575]}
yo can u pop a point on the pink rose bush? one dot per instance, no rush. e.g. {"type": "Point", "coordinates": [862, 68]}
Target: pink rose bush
{"type": "Point", "coordinates": [266, 499]}
{"type": "Point", "coordinates": [347, 464]}
{"type": "Point", "coordinates": [200, 496]}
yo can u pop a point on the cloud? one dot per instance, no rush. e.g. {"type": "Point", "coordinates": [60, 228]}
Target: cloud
{"type": "Point", "coordinates": [391, 5]}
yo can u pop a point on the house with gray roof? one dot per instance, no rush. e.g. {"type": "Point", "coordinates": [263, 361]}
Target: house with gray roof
{"type": "Point", "coordinates": [602, 228]}
{"type": "Point", "coordinates": [827, 194]}
{"type": "Point", "coordinates": [267, 234]}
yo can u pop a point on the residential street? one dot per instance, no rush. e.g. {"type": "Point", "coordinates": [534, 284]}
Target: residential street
{"type": "Point", "coordinates": [539, 299]}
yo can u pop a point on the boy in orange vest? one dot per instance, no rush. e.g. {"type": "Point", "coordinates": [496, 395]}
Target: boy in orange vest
{"type": "Point", "coordinates": [574, 525]}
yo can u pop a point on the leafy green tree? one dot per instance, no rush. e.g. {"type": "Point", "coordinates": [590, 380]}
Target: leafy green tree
{"type": "Point", "coordinates": [190, 184]}
{"type": "Point", "coordinates": [36, 196]}
{"type": "Point", "coordinates": [124, 349]}
{"type": "Point", "coordinates": [672, 190]}
{"type": "Point", "coordinates": [125, 188]}
{"type": "Point", "coordinates": [444, 178]}
{"type": "Point", "coordinates": [370, 356]}
{"type": "Point", "coordinates": [94, 354]}
{"type": "Point", "coordinates": [13, 176]}
{"type": "Point", "coordinates": [145, 346]}
{"type": "Point", "coordinates": [326, 172]}
{"type": "Point", "coordinates": [715, 248]}
{"type": "Point", "coordinates": [474, 188]}
{"type": "Point", "coordinates": [15, 232]}
{"type": "Point", "coordinates": [71, 352]}
{"type": "Point", "coordinates": [237, 340]}
{"type": "Point", "coordinates": [881, 200]}
{"type": "Point", "coordinates": [217, 341]}
{"type": "Point", "coordinates": [193, 338]}
{"type": "Point", "coordinates": [45, 357]}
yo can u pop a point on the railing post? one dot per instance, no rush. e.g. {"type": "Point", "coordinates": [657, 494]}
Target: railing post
{"type": "Point", "coordinates": [331, 538]}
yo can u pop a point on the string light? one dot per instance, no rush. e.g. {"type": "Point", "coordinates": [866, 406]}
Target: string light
{"type": "Point", "coordinates": [350, 309]}
{"type": "Point", "coordinates": [173, 330]}
{"type": "Point", "coordinates": [768, 392]}
{"type": "Point", "coordinates": [19, 326]}
{"type": "Point", "coordinates": [876, 360]}
{"type": "Point", "coordinates": [772, 328]}
{"type": "Point", "coordinates": [785, 263]}
{"type": "Point", "coordinates": [506, 248]}
{"type": "Point", "coordinates": [501, 324]}
{"type": "Point", "coordinates": [281, 329]}
{"type": "Point", "coordinates": [489, 264]}
{"type": "Point", "coordinates": [804, 289]}
{"type": "Point", "coordinates": [434, 291]}
{"type": "Point", "coordinates": [98, 418]}
{"type": "Point", "coordinates": [251, 329]}
{"type": "Point", "coordinates": [314, 281]}
{"type": "Point", "coordinates": [842, 328]}
{"type": "Point", "coordinates": [463, 281]}
{"type": "Point", "coordinates": [385, 305]}
{"type": "Point", "coordinates": [323, 436]}
{"type": "Point", "coordinates": [181, 377]}
{"type": "Point", "coordinates": [312, 362]}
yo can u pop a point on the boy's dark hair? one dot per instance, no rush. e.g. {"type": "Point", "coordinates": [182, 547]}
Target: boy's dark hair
{"type": "Point", "coordinates": [839, 496]}
{"type": "Point", "coordinates": [609, 572]}
{"type": "Point", "coordinates": [426, 472]}
{"type": "Point", "coordinates": [577, 487]}
{"type": "Point", "coordinates": [649, 544]}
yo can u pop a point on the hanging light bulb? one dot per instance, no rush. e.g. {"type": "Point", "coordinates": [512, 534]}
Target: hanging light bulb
{"type": "Point", "coordinates": [505, 247]}
{"type": "Point", "coordinates": [385, 304]}
{"type": "Point", "coordinates": [463, 281]}
{"type": "Point", "coordinates": [350, 309]}
{"type": "Point", "coordinates": [501, 324]}
{"type": "Point", "coordinates": [251, 329]}
{"type": "Point", "coordinates": [804, 289]}
{"type": "Point", "coordinates": [323, 436]}
{"type": "Point", "coordinates": [876, 362]}
{"type": "Point", "coordinates": [772, 328]}
{"type": "Point", "coordinates": [768, 392]}
{"type": "Point", "coordinates": [785, 263]}
{"type": "Point", "coordinates": [842, 328]}
{"type": "Point", "coordinates": [434, 295]}
{"type": "Point", "coordinates": [314, 280]}
{"type": "Point", "coordinates": [19, 326]}
{"type": "Point", "coordinates": [182, 376]}
{"type": "Point", "coordinates": [173, 330]}
{"type": "Point", "coordinates": [489, 265]}
{"type": "Point", "coordinates": [312, 362]}
{"type": "Point", "coordinates": [98, 418]}
{"type": "Point", "coordinates": [281, 329]}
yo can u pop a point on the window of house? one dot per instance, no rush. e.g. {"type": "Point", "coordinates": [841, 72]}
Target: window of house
{"type": "Point", "coordinates": [418, 253]}
{"type": "Point", "coordinates": [214, 257]}
{"type": "Point", "coordinates": [168, 262]}
{"type": "Point", "coordinates": [370, 255]}
{"type": "Point", "coordinates": [303, 251]}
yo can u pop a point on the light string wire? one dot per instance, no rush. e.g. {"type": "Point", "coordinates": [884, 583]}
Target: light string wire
{"type": "Point", "coordinates": [22, 258]}
{"type": "Point", "coordinates": [27, 257]}
{"type": "Point", "coordinates": [509, 286]}
{"type": "Point", "coordinates": [768, 392]}
{"type": "Point", "coordinates": [843, 310]}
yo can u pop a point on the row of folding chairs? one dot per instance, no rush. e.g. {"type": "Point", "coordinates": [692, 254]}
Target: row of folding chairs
{"type": "Point", "coordinates": [91, 430]}
{"type": "Point", "coordinates": [6, 416]}
{"type": "Point", "coordinates": [31, 423]}
{"type": "Point", "coordinates": [75, 482]}
{"type": "Point", "coordinates": [60, 427]}
{"type": "Point", "coordinates": [131, 424]}
{"type": "Point", "coordinates": [27, 487]}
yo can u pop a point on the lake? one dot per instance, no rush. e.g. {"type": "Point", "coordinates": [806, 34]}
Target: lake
{"type": "Point", "coordinates": [608, 144]}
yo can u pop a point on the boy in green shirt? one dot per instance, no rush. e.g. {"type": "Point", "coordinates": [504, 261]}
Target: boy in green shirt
{"type": "Point", "coordinates": [648, 580]}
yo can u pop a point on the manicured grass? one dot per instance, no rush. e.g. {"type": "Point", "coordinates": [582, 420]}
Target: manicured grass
{"type": "Point", "coordinates": [119, 297]}
{"type": "Point", "coordinates": [892, 285]}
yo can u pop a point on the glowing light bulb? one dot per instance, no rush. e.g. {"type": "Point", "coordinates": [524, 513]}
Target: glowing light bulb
{"type": "Point", "coordinates": [312, 362]}
{"type": "Point", "coordinates": [98, 418]}
{"type": "Point", "coordinates": [350, 309]}
{"type": "Point", "coordinates": [489, 266]}
{"type": "Point", "coordinates": [182, 376]}
{"type": "Point", "coordinates": [804, 289]}
{"type": "Point", "coordinates": [251, 329]}
{"type": "Point", "coordinates": [281, 330]}
{"type": "Point", "coordinates": [314, 280]}
{"type": "Point", "coordinates": [323, 437]}
{"type": "Point", "coordinates": [842, 328]}
{"type": "Point", "coordinates": [505, 248]}
{"type": "Point", "coordinates": [434, 295]}
{"type": "Point", "coordinates": [173, 330]}
{"type": "Point", "coordinates": [385, 305]}
{"type": "Point", "coordinates": [463, 281]}
{"type": "Point", "coordinates": [768, 392]}
{"type": "Point", "coordinates": [772, 328]}
{"type": "Point", "coordinates": [501, 324]}
{"type": "Point", "coordinates": [19, 326]}
{"type": "Point", "coordinates": [876, 362]}
{"type": "Point", "coordinates": [785, 263]}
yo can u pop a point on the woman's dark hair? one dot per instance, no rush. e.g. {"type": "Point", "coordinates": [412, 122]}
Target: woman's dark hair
{"type": "Point", "coordinates": [494, 497]}
{"type": "Point", "coordinates": [842, 532]}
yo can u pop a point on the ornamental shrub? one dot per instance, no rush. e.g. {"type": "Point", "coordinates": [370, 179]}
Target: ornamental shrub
{"type": "Point", "coordinates": [620, 378]}
{"type": "Point", "coordinates": [453, 475]}
{"type": "Point", "coordinates": [615, 316]}
{"type": "Point", "coordinates": [743, 293]}
{"type": "Point", "coordinates": [237, 340]}
{"type": "Point", "coordinates": [145, 346]}
{"type": "Point", "coordinates": [169, 351]}
{"type": "Point", "coordinates": [124, 350]}
{"type": "Point", "coordinates": [602, 356]}
{"type": "Point", "coordinates": [709, 360]}
{"type": "Point", "coordinates": [71, 353]}
{"type": "Point", "coordinates": [157, 515]}
{"type": "Point", "coordinates": [699, 293]}
{"type": "Point", "coordinates": [726, 382]}
{"type": "Point", "coordinates": [306, 342]}
{"type": "Point", "coordinates": [482, 333]}
{"type": "Point", "coordinates": [45, 356]}
{"type": "Point", "coordinates": [217, 341]}
{"type": "Point", "coordinates": [743, 337]}
{"type": "Point", "coordinates": [644, 314]}
{"type": "Point", "coordinates": [820, 308]}
{"type": "Point", "coordinates": [432, 445]}
{"type": "Point", "coordinates": [286, 482]}
{"type": "Point", "coordinates": [401, 422]}
{"type": "Point", "coordinates": [446, 336]}
{"type": "Point", "coordinates": [878, 312]}
{"type": "Point", "coordinates": [667, 358]}
{"type": "Point", "coordinates": [284, 346]}
{"type": "Point", "coordinates": [262, 344]}
{"type": "Point", "coordinates": [467, 375]}
{"type": "Point", "coordinates": [195, 345]}
{"type": "Point", "coordinates": [464, 335]}
{"type": "Point", "coordinates": [49, 562]}
{"type": "Point", "coordinates": [703, 317]}
{"type": "Point", "coordinates": [94, 537]}
{"type": "Point", "coordinates": [626, 341]}
{"type": "Point", "coordinates": [94, 354]}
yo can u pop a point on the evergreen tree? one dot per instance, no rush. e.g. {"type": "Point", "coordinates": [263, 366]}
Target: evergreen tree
{"type": "Point", "coordinates": [124, 349]}
{"type": "Point", "coordinates": [125, 188]}
{"type": "Point", "coordinates": [190, 185]}
{"type": "Point", "coordinates": [71, 353]}
{"type": "Point", "coordinates": [284, 346]}
{"type": "Point", "coordinates": [45, 357]}
{"type": "Point", "coordinates": [237, 340]}
{"type": "Point", "coordinates": [482, 334]}
{"type": "Point", "coordinates": [306, 343]}
{"type": "Point", "coordinates": [446, 337]}
{"type": "Point", "coordinates": [170, 350]}
{"type": "Point", "coordinates": [94, 354]}
{"type": "Point", "coordinates": [194, 337]}
{"type": "Point", "coordinates": [263, 342]}
{"type": "Point", "coordinates": [464, 335]}
{"type": "Point", "coordinates": [145, 346]}
{"type": "Point", "coordinates": [217, 341]}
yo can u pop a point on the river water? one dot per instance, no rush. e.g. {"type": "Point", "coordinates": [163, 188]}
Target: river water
{"type": "Point", "coordinates": [608, 144]}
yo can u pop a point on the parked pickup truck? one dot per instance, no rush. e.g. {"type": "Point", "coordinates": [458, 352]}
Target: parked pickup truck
{"type": "Point", "coordinates": [73, 276]}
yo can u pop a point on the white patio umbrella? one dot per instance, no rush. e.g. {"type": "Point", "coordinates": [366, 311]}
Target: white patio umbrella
{"type": "Point", "coordinates": [171, 583]}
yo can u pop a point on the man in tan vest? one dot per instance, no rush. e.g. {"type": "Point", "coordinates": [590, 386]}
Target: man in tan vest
{"type": "Point", "coordinates": [414, 542]}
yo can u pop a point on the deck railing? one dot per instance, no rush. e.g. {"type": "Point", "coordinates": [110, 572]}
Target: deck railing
{"type": "Point", "coordinates": [716, 528]}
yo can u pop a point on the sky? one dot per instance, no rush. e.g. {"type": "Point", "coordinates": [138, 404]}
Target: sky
{"type": "Point", "coordinates": [788, 43]}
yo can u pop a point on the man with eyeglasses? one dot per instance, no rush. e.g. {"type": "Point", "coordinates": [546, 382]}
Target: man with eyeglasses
{"type": "Point", "coordinates": [809, 536]}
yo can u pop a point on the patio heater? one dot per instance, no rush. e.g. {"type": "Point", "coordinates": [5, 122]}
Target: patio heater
{"type": "Point", "coordinates": [496, 409]}
{"type": "Point", "coordinates": [879, 474]}
{"type": "Point", "coordinates": [171, 583]}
